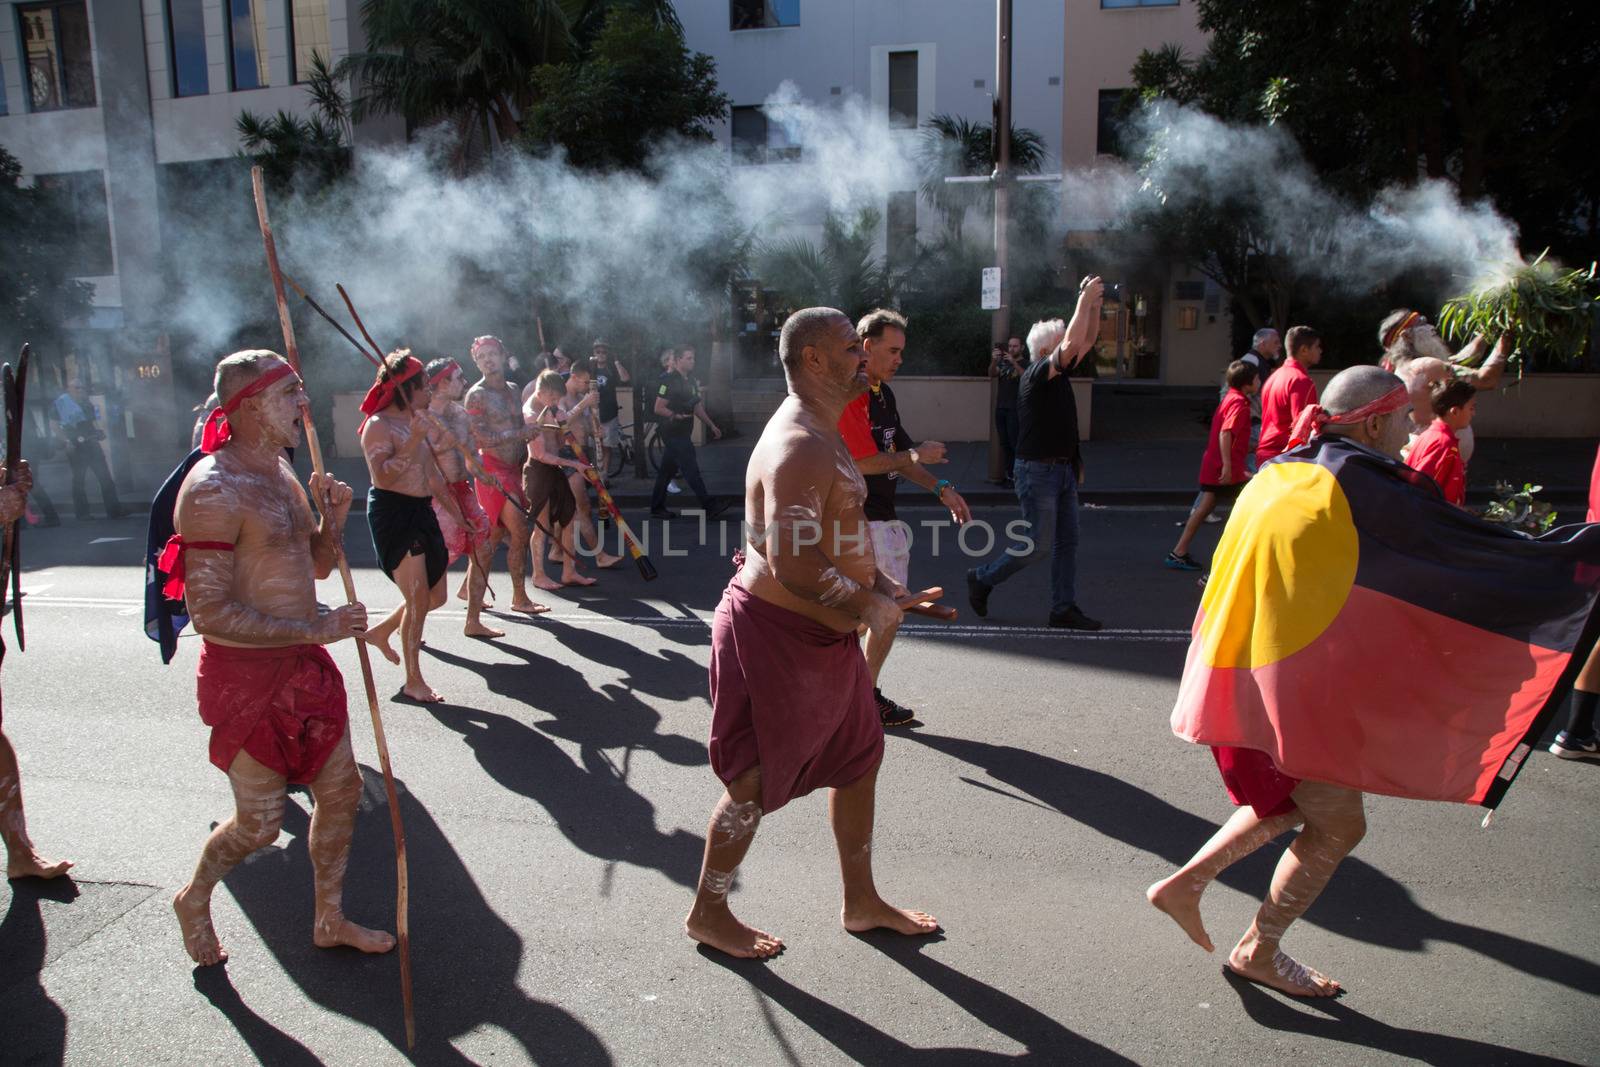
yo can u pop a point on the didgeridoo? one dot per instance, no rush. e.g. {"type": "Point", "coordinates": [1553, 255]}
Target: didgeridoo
{"type": "Point", "coordinates": [647, 570]}
{"type": "Point", "coordinates": [403, 883]}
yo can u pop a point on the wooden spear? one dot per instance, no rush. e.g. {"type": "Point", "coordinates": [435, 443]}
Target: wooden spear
{"type": "Point", "coordinates": [403, 885]}
{"type": "Point", "coordinates": [16, 386]}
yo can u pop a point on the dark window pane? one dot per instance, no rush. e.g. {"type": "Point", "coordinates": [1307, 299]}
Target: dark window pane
{"type": "Point", "coordinates": [749, 135]}
{"type": "Point", "coordinates": [1108, 131]}
{"type": "Point", "coordinates": [762, 14]}
{"type": "Point", "coordinates": [902, 88]}
{"type": "Point", "coordinates": [902, 227]}
{"type": "Point", "coordinates": [55, 44]}
{"type": "Point", "coordinates": [247, 43]}
{"type": "Point", "coordinates": [1138, 3]}
{"type": "Point", "coordinates": [1189, 290]}
{"type": "Point", "coordinates": [80, 198]}
{"type": "Point", "coordinates": [186, 37]}
{"type": "Point", "coordinates": [308, 27]}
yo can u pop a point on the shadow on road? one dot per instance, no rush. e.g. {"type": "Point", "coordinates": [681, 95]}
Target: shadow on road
{"type": "Point", "coordinates": [33, 1028]}
{"type": "Point", "coordinates": [465, 958]}
{"type": "Point", "coordinates": [1365, 904]}
{"type": "Point", "coordinates": [267, 1042]}
{"type": "Point", "coordinates": [1044, 1038]}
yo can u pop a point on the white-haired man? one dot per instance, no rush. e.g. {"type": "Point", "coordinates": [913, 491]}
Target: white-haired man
{"type": "Point", "coordinates": [1048, 464]}
{"type": "Point", "coordinates": [1413, 349]}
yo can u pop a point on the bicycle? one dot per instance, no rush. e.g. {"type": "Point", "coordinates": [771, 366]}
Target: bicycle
{"type": "Point", "coordinates": [622, 458]}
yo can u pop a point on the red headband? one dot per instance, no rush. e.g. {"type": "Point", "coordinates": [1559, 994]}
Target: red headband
{"type": "Point", "coordinates": [444, 372]}
{"type": "Point", "coordinates": [384, 390]}
{"type": "Point", "coordinates": [1400, 330]}
{"type": "Point", "coordinates": [217, 431]}
{"type": "Point", "coordinates": [1314, 417]}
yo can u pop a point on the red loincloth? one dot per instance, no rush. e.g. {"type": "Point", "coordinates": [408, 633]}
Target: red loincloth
{"type": "Point", "coordinates": [284, 706]}
{"type": "Point", "coordinates": [1250, 777]}
{"type": "Point", "coordinates": [458, 540]}
{"type": "Point", "coordinates": [492, 499]}
{"type": "Point", "coordinates": [791, 695]}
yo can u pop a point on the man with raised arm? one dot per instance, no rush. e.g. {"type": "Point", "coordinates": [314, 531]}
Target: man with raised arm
{"type": "Point", "coordinates": [22, 859]}
{"type": "Point", "coordinates": [1413, 349]}
{"type": "Point", "coordinates": [791, 696]}
{"type": "Point", "coordinates": [449, 432]}
{"type": "Point", "coordinates": [494, 407]}
{"type": "Point", "coordinates": [246, 558]}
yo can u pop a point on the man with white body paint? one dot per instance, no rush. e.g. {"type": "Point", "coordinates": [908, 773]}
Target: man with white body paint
{"type": "Point", "coordinates": [1271, 803]}
{"type": "Point", "coordinates": [791, 697]}
{"type": "Point", "coordinates": [246, 559]}
{"type": "Point", "coordinates": [1413, 349]}
{"type": "Point", "coordinates": [494, 407]}
{"type": "Point", "coordinates": [883, 452]}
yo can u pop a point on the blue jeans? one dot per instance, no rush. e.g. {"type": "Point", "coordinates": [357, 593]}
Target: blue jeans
{"type": "Point", "coordinates": [1048, 493]}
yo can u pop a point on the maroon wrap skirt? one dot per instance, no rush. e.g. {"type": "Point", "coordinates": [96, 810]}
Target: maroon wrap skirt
{"type": "Point", "coordinates": [284, 706]}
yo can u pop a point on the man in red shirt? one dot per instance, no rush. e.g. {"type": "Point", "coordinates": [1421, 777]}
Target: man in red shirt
{"type": "Point", "coordinates": [1222, 471]}
{"type": "Point", "coordinates": [1437, 451]}
{"type": "Point", "coordinates": [1287, 392]}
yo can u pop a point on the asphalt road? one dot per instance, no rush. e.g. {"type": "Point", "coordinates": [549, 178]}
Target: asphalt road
{"type": "Point", "coordinates": [556, 807]}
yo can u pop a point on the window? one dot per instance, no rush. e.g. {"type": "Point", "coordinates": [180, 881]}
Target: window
{"type": "Point", "coordinates": [80, 198]}
{"type": "Point", "coordinates": [757, 139]}
{"type": "Point", "coordinates": [247, 43]}
{"type": "Point", "coordinates": [186, 41]}
{"type": "Point", "coordinates": [1138, 3]}
{"type": "Point", "coordinates": [1108, 131]}
{"type": "Point", "coordinates": [308, 36]}
{"type": "Point", "coordinates": [1189, 318]}
{"type": "Point", "coordinates": [1189, 290]}
{"type": "Point", "coordinates": [903, 89]}
{"type": "Point", "coordinates": [55, 44]}
{"type": "Point", "coordinates": [762, 14]}
{"type": "Point", "coordinates": [901, 245]}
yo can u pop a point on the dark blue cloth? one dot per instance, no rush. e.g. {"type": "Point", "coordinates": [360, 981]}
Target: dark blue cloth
{"type": "Point", "coordinates": [164, 619]}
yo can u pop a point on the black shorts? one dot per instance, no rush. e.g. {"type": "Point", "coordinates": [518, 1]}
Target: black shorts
{"type": "Point", "coordinates": [402, 526]}
{"type": "Point", "coordinates": [1223, 492]}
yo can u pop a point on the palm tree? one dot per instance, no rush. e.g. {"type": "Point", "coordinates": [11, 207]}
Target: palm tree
{"type": "Point", "coordinates": [840, 272]}
{"type": "Point", "coordinates": [953, 146]}
{"type": "Point", "coordinates": [468, 62]}
{"type": "Point", "coordinates": [315, 150]}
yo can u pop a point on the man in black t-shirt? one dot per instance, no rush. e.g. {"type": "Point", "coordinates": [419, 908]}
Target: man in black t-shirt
{"type": "Point", "coordinates": [607, 374]}
{"type": "Point", "coordinates": [677, 404]}
{"type": "Point", "coordinates": [1048, 464]}
{"type": "Point", "coordinates": [884, 455]}
{"type": "Point", "coordinates": [1006, 364]}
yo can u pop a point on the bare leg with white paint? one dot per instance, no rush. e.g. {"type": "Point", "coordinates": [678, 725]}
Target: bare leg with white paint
{"type": "Point", "coordinates": [258, 793]}
{"type": "Point", "coordinates": [336, 794]}
{"type": "Point", "coordinates": [1335, 824]}
{"type": "Point", "coordinates": [733, 827]}
{"type": "Point", "coordinates": [22, 859]}
{"type": "Point", "coordinates": [1179, 894]}
{"type": "Point", "coordinates": [851, 810]}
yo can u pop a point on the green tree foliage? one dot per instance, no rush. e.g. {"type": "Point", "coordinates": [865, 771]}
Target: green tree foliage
{"type": "Point", "coordinates": [637, 86]}
{"type": "Point", "coordinates": [954, 146]}
{"type": "Point", "coordinates": [38, 294]}
{"type": "Point", "coordinates": [840, 271]}
{"type": "Point", "coordinates": [306, 153]}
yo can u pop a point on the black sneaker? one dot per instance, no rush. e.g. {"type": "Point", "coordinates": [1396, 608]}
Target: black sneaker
{"type": "Point", "coordinates": [1073, 619]}
{"type": "Point", "coordinates": [662, 513]}
{"type": "Point", "coordinates": [1184, 562]}
{"type": "Point", "coordinates": [1565, 746]}
{"type": "Point", "coordinates": [978, 594]}
{"type": "Point", "coordinates": [890, 713]}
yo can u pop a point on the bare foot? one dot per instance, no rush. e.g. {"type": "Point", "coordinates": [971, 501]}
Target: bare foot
{"type": "Point", "coordinates": [548, 584]}
{"type": "Point", "coordinates": [1284, 974]}
{"type": "Point", "coordinates": [533, 607]}
{"type": "Point", "coordinates": [475, 628]}
{"type": "Point", "coordinates": [721, 931]}
{"type": "Point", "coordinates": [878, 914]}
{"type": "Point", "coordinates": [1179, 897]}
{"type": "Point", "coordinates": [421, 692]}
{"type": "Point", "coordinates": [194, 919]}
{"type": "Point", "coordinates": [379, 639]}
{"type": "Point", "coordinates": [461, 594]}
{"type": "Point", "coordinates": [32, 865]}
{"type": "Point", "coordinates": [576, 579]}
{"type": "Point", "coordinates": [344, 932]}
{"type": "Point", "coordinates": [605, 561]}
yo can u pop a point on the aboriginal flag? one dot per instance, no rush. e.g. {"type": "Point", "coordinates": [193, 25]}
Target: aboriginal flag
{"type": "Point", "coordinates": [1361, 631]}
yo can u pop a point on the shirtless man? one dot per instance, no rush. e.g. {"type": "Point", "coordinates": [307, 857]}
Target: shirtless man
{"type": "Point", "coordinates": [791, 695]}
{"type": "Point", "coordinates": [1413, 349]}
{"type": "Point", "coordinates": [449, 430]}
{"type": "Point", "coordinates": [544, 479]}
{"type": "Point", "coordinates": [581, 407]}
{"type": "Point", "coordinates": [22, 859]}
{"type": "Point", "coordinates": [495, 413]}
{"type": "Point", "coordinates": [405, 533]}
{"type": "Point", "coordinates": [1368, 407]}
{"type": "Point", "coordinates": [246, 559]}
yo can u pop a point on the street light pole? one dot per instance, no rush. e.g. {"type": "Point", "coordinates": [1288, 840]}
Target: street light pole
{"type": "Point", "coordinates": [1000, 324]}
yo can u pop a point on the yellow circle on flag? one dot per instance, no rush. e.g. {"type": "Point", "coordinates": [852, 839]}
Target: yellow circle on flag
{"type": "Point", "coordinates": [1283, 569]}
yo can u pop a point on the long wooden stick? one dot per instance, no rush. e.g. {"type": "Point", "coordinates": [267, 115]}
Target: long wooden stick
{"type": "Point", "coordinates": [403, 882]}
{"type": "Point", "coordinates": [642, 561]}
{"type": "Point", "coordinates": [16, 386]}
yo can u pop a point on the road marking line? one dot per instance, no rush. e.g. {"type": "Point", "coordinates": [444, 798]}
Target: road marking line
{"type": "Point", "coordinates": [108, 540]}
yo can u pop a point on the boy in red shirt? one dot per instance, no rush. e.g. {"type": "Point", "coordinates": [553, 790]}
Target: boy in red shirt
{"type": "Point", "coordinates": [1436, 452]}
{"type": "Point", "coordinates": [1222, 471]}
{"type": "Point", "coordinates": [1287, 392]}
